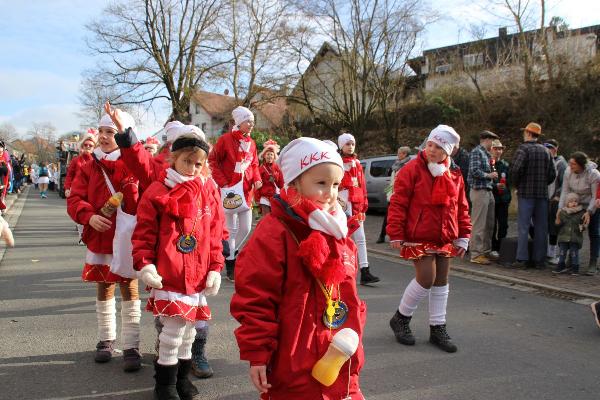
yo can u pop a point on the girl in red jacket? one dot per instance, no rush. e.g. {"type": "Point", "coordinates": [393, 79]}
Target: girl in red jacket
{"type": "Point", "coordinates": [89, 193]}
{"type": "Point", "coordinates": [232, 160]}
{"type": "Point", "coordinates": [177, 249]}
{"type": "Point", "coordinates": [270, 175]}
{"type": "Point", "coordinates": [428, 221]}
{"type": "Point", "coordinates": [298, 265]}
{"type": "Point", "coordinates": [353, 196]}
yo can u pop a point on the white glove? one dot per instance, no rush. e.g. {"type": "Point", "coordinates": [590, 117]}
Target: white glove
{"type": "Point", "coordinates": [150, 277]}
{"type": "Point", "coordinates": [213, 283]}
{"type": "Point", "coordinates": [463, 243]}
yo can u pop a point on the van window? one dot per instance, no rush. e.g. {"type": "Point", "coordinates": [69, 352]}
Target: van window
{"type": "Point", "coordinates": [381, 169]}
{"type": "Point", "coordinates": [364, 166]}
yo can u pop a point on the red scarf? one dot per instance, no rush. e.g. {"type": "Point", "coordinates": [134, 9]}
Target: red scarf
{"type": "Point", "coordinates": [181, 201]}
{"type": "Point", "coordinates": [320, 252]}
{"type": "Point", "coordinates": [244, 155]}
{"type": "Point", "coordinates": [443, 187]}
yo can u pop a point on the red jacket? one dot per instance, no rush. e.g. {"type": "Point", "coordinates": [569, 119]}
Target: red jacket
{"type": "Point", "coordinates": [354, 182]}
{"type": "Point", "coordinates": [156, 234]}
{"type": "Point", "coordinates": [75, 165]}
{"type": "Point", "coordinates": [222, 160]}
{"type": "Point", "coordinates": [412, 218]}
{"type": "Point", "coordinates": [89, 193]}
{"type": "Point", "coordinates": [280, 306]}
{"type": "Point", "coordinates": [271, 177]}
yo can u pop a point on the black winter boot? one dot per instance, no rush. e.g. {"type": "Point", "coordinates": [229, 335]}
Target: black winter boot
{"type": "Point", "coordinates": [400, 325]}
{"type": "Point", "coordinates": [166, 379]}
{"type": "Point", "coordinates": [439, 337]}
{"type": "Point", "coordinates": [366, 277]}
{"type": "Point", "coordinates": [185, 388]}
{"type": "Point", "coordinates": [230, 268]}
{"type": "Point", "coordinates": [200, 366]}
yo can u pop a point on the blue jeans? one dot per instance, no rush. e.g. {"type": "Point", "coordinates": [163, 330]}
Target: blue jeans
{"type": "Point", "coordinates": [594, 234]}
{"type": "Point", "coordinates": [532, 211]}
{"type": "Point", "coordinates": [573, 250]}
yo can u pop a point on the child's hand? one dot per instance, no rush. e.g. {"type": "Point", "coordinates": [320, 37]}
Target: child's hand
{"type": "Point", "coordinates": [100, 223]}
{"type": "Point", "coordinates": [213, 283]}
{"type": "Point", "coordinates": [258, 376]}
{"type": "Point", "coordinates": [257, 185]}
{"type": "Point", "coordinates": [150, 277]}
{"type": "Point", "coordinates": [115, 115]}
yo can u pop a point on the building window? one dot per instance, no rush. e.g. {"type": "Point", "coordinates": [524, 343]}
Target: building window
{"type": "Point", "coordinates": [443, 69]}
{"type": "Point", "coordinates": [473, 60]}
{"type": "Point", "coordinates": [197, 108]}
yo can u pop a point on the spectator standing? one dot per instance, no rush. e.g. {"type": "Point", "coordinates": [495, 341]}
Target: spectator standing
{"type": "Point", "coordinates": [569, 221]}
{"type": "Point", "coordinates": [581, 177]}
{"type": "Point", "coordinates": [502, 196]}
{"type": "Point", "coordinates": [461, 158]}
{"type": "Point", "coordinates": [553, 197]}
{"type": "Point", "coordinates": [481, 177]}
{"type": "Point", "coordinates": [403, 158]}
{"type": "Point", "coordinates": [531, 171]}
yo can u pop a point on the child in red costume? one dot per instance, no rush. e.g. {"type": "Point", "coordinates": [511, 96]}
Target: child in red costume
{"type": "Point", "coordinates": [177, 249]}
{"type": "Point", "coordinates": [89, 192]}
{"type": "Point", "coordinates": [428, 222]}
{"type": "Point", "coordinates": [86, 146]}
{"type": "Point", "coordinates": [299, 258]}
{"type": "Point", "coordinates": [353, 197]}
{"type": "Point", "coordinates": [233, 160]}
{"type": "Point", "coordinates": [270, 175]}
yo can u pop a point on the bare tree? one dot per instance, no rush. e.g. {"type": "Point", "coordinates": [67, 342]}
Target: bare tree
{"type": "Point", "coordinates": [155, 49]}
{"type": "Point", "coordinates": [8, 132]}
{"type": "Point", "coordinates": [43, 138]}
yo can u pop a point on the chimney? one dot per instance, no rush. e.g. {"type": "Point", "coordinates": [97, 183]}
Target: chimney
{"type": "Point", "coordinates": [502, 32]}
{"type": "Point", "coordinates": [226, 92]}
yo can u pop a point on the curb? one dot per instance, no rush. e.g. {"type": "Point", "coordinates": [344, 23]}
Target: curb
{"type": "Point", "coordinates": [507, 279]}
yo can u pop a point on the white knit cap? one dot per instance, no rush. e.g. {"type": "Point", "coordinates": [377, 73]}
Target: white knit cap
{"type": "Point", "coordinates": [175, 129]}
{"type": "Point", "coordinates": [241, 114]}
{"type": "Point", "coordinates": [89, 135]}
{"type": "Point", "coordinates": [330, 142]}
{"type": "Point", "coordinates": [345, 138]}
{"type": "Point", "coordinates": [128, 121]}
{"type": "Point", "coordinates": [446, 137]}
{"type": "Point", "coordinates": [304, 153]}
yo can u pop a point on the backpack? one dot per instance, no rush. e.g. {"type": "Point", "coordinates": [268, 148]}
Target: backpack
{"type": "Point", "coordinates": [43, 171]}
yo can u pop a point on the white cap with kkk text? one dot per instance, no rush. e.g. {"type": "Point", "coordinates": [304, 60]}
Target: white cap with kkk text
{"type": "Point", "coordinates": [304, 153]}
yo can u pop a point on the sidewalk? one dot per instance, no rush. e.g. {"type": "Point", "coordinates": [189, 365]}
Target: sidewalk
{"type": "Point", "coordinates": [571, 286]}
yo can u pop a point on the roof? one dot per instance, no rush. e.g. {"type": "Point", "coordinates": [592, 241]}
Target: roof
{"type": "Point", "coordinates": [215, 104]}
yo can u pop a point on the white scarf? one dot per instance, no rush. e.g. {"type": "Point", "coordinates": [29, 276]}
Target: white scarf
{"type": "Point", "coordinates": [335, 224]}
{"type": "Point", "coordinates": [174, 178]}
{"type": "Point", "coordinates": [437, 169]}
{"type": "Point", "coordinates": [112, 156]}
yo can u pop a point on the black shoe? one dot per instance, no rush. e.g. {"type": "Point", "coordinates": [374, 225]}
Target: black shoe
{"type": "Point", "coordinates": [518, 264]}
{"type": "Point", "coordinates": [380, 240]}
{"type": "Point", "coordinates": [132, 360]}
{"type": "Point", "coordinates": [165, 377]}
{"type": "Point", "coordinates": [230, 269]}
{"type": "Point", "coordinates": [104, 351]}
{"type": "Point", "coordinates": [574, 271]}
{"type": "Point", "coordinates": [560, 269]}
{"type": "Point", "coordinates": [596, 310]}
{"type": "Point", "coordinates": [200, 366]}
{"type": "Point", "coordinates": [366, 277]}
{"type": "Point", "coordinates": [439, 337]}
{"type": "Point", "coordinates": [185, 388]}
{"type": "Point", "coordinates": [400, 324]}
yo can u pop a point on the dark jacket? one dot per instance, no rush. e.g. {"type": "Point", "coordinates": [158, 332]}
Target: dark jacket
{"type": "Point", "coordinates": [502, 167]}
{"type": "Point", "coordinates": [569, 227]}
{"type": "Point", "coordinates": [532, 170]}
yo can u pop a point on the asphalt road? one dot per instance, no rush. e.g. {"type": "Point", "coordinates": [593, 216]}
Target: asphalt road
{"type": "Point", "coordinates": [512, 344]}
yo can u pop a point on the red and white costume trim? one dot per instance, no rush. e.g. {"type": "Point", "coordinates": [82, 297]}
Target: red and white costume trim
{"type": "Point", "coordinates": [193, 307]}
{"type": "Point", "coordinates": [97, 269]}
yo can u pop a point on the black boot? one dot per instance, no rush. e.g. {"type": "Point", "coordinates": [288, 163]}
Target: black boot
{"type": "Point", "coordinates": [185, 388]}
{"type": "Point", "coordinates": [439, 337]}
{"type": "Point", "coordinates": [200, 366]}
{"type": "Point", "coordinates": [230, 268]}
{"type": "Point", "coordinates": [166, 379]}
{"type": "Point", "coordinates": [366, 277]}
{"type": "Point", "coordinates": [400, 325]}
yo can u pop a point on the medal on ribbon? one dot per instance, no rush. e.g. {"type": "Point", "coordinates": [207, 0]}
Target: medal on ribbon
{"type": "Point", "coordinates": [186, 243]}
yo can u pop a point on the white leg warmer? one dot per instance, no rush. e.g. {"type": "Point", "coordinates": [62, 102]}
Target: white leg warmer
{"type": "Point", "coordinates": [413, 294]}
{"type": "Point", "coordinates": [361, 243]}
{"type": "Point", "coordinates": [185, 350]}
{"type": "Point", "coordinates": [130, 324]}
{"type": "Point", "coordinates": [438, 300]}
{"type": "Point", "coordinates": [200, 324]}
{"type": "Point", "coordinates": [244, 227]}
{"type": "Point", "coordinates": [170, 338]}
{"type": "Point", "coordinates": [232, 223]}
{"type": "Point", "coordinates": [106, 313]}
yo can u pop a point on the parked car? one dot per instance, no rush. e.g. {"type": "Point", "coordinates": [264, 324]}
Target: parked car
{"type": "Point", "coordinates": [378, 171]}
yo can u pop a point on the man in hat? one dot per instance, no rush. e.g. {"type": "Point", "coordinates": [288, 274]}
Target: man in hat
{"type": "Point", "coordinates": [481, 177]}
{"type": "Point", "coordinates": [532, 171]}
{"type": "Point", "coordinates": [502, 196]}
{"type": "Point", "coordinates": [554, 196]}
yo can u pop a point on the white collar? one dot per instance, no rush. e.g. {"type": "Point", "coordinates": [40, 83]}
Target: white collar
{"type": "Point", "coordinates": [112, 156]}
{"type": "Point", "coordinates": [438, 169]}
{"type": "Point", "coordinates": [174, 178]}
{"type": "Point", "coordinates": [335, 224]}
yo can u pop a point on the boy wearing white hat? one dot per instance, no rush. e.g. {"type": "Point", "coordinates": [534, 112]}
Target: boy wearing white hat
{"type": "Point", "coordinates": [234, 166]}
